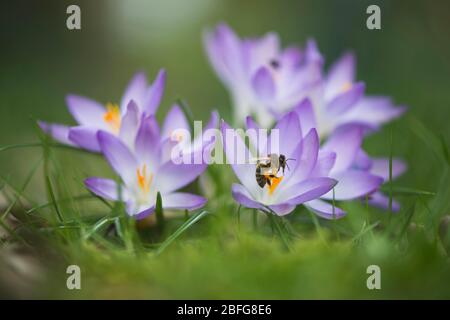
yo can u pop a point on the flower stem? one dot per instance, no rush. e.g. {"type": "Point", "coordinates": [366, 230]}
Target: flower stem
{"type": "Point", "coordinates": [275, 222]}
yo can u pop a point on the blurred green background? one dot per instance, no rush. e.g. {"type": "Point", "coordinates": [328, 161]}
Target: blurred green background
{"type": "Point", "coordinates": [408, 59]}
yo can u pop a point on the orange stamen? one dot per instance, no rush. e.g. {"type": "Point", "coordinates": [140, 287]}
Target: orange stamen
{"type": "Point", "coordinates": [112, 116]}
{"type": "Point", "coordinates": [274, 182]}
{"type": "Point", "coordinates": [143, 182]}
{"type": "Point", "coordinates": [177, 136]}
{"type": "Point", "coordinates": [346, 86]}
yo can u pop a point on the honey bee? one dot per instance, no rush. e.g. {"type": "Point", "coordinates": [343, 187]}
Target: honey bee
{"type": "Point", "coordinates": [268, 167]}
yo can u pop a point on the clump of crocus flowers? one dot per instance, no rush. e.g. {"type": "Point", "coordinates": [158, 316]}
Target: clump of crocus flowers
{"type": "Point", "coordinates": [320, 119]}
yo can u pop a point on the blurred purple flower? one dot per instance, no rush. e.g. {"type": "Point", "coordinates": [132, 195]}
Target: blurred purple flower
{"type": "Point", "coordinates": [336, 160]}
{"type": "Point", "coordinates": [297, 186]}
{"type": "Point", "coordinates": [139, 99]}
{"type": "Point", "coordinates": [342, 158]}
{"type": "Point", "coordinates": [266, 81]}
{"type": "Point", "coordinates": [262, 78]}
{"type": "Point", "coordinates": [144, 171]}
{"type": "Point", "coordinates": [340, 100]}
{"type": "Point", "coordinates": [380, 167]}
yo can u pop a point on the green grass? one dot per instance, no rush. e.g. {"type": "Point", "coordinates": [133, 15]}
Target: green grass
{"type": "Point", "coordinates": [223, 250]}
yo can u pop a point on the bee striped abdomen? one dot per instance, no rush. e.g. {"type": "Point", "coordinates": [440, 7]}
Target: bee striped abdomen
{"type": "Point", "coordinates": [260, 178]}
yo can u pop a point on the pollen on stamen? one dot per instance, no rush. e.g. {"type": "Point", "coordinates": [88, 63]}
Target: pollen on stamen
{"type": "Point", "coordinates": [177, 136]}
{"type": "Point", "coordinates": [112, 116]}
{"type": "Point", "coordinates": [144, 182]}
{"type": "Point", "coordinates": [274, 182]}
{"type": "Point", "coordinates": [346, 86]}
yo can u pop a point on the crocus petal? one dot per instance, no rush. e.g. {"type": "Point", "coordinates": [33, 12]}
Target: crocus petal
{"type": "Point", "coordinates": [239, 157]}
{"type": "Point", "coordinates": [307, 190]}
{"type": "Point", "coordinates": [135, 91]}
{"type": "Point", "coordinates": [118, 155]}
{"type": "Point", "coordinates": [86, 111]}
{"type": "Point", "coordinates": [85, 137]}
{"type": "Point", "coordinates": [208, 136]}
{"type": "Point", "coordinates": [290, 57]}
{"type": "Point", "coordinates": [345, 142]}
{"type": "Point", "coordinates": [325, 210]}
{"type": "Point", "coordinates": [172, 176]}
{"type": "Point", "coordinates": [230, 48]}
{"type": "Point", "coordinates": [147, 143]}
{"type": "Point", "coordinates": [213, 121]}
{"type": "Point", "coordinates": [312, 53]}
{"type": "Point", "coordinates": [353, 184]}
{"type": "Point", "coordinates": [341, 73]}
{"type": "Point", "coordinates": [252, 125]}
{"type": "Point", "coordinates": [262, 50]}
{"type": "Point", "coordinates": [306, 159]}
{"type": "Point", "coordinates": [290, 135]}
{"type": "Point", "coordinates": [139, 212]}
{"type": "Point", "coordinates": [380, 167]}
{"type": "Point", "coordinates": [377, 199]}
{"type": "Point", "coordinates": [129, 124]}
{"type": "Point", "coordinates": [216, 57]}
{"type": "Point", "coordinates": [170, 150]}
{"type": "Point", "coordinates": [362, 161]}
{"type": "Point", "coordinates": [346, 101]}
{"type": "Point", "coordinates": [306, 115]}
{"type": "Point", "coordinates": [175, 120]}
{"type": "Point", "coordinates": [105, 188]}
{"type": "Point", "coordinates": [373, 111]}
{"type": "Point", "coordinates": [263, 84]}
{"type": "Point", "coordinates": [181, 200]}
{"type": "Point", "coordinates": [242, 196]}
{"type": "Point", "coordinates": [282, 209]}
{"type": "Point", "coordinates": [155, 93]}
{"type": "Point", "coordinates": [57, 131]}
{"type": "Point", "coordinates": [324, 164]}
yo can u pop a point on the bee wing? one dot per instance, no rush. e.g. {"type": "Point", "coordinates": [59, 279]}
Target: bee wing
{"type": "Point", "coordinates": [274, 163]}
{"type": "Point", "coordinates": [267, 171]}
{"type": "Point", "coordinates": [260, 160]}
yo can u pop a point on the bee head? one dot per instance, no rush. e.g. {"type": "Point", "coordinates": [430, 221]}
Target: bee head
{"type": "Point", "coordinates": [283, 162]}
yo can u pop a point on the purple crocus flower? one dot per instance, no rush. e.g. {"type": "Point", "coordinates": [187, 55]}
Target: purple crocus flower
{"type": "Point", "coordinates": [122, 121]}
{"type": "Point", "coordinates": [335, 159]}
{"type": "Point", "coordinates": [342, 158]}
{"type": "Point", "coordinates": [268, 82]}
{"type": "Point", "coordinates": [144, 171]}
{"type": "Point", "coordinates": [261, 77]}
{"type": "Point", "coordinates": [340, 100]}
{"type": "Point", "coordinates": [297, 186]}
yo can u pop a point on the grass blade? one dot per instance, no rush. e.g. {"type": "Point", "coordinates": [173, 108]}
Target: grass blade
{"type": "Point", "coordinates": [185, 226]}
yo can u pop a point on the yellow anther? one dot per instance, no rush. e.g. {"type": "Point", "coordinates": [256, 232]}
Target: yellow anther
{"type": "Point", "coordinates": [112, 116]}
{"type": "Point", "coordinates": [144, 182]}
{"type": "Point", "coordinates": [346, 86]}
{"type": "Point", "coordinates": [274, 182]}
{"type": "Point", "coordinates": [177, 136]}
